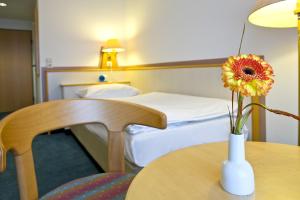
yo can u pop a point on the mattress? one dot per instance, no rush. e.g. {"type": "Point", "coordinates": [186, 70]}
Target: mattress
{"type": "Point", "coordinates": [191, 121]}
{"type": "Point", "coordinates": [141, 149]}
{"type": "Point", "coordinates": [179, 109]}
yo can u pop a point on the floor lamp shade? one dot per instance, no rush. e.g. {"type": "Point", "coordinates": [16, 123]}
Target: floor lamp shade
{"type": "Point", "coordinates": [274, 13]}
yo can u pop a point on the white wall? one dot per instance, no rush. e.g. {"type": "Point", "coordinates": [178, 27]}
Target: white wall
{"type": "Point", "coordinates": [71, 31]}
{"type": "Point", "coordinates": [170, 30]}
{"type": "Point", "coordinates": [279, 46]}
{"type": "Point", "coordinates": [15, 24]}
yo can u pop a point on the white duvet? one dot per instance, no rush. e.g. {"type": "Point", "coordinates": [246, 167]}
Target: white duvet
{"type": "Point", "coordinates": [191, 121]}
{"type": "Point", "coordinates": [180, 109]}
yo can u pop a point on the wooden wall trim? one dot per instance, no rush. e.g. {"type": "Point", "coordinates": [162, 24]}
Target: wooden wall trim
{"type": "Point", "coordinates": [154, 66]}
{"type": "Point", "coordinates": [205, 62]}
{"type": "Point", "coordinates": [127, 68]}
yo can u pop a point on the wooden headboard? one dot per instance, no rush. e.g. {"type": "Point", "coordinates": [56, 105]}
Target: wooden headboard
{"type": "Point", "coordinates": [198, 77]}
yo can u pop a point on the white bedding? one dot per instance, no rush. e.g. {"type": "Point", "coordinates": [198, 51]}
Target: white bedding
{"type": "Point", "coordinates": [143, 148]}
{"type": "Point", "coordinates": [180, 109]}
{"type": "Point", "coordinates": [191, 121]}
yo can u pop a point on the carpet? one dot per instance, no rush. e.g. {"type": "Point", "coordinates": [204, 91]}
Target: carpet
{"type": "Point", "coordinates": [58, 157]}
{"type": "Point", "coordinates": [3, 114]}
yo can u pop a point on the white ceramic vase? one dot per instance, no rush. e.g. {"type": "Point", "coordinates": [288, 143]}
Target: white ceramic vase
{"type": "Point", "coordinates": [237, 175]}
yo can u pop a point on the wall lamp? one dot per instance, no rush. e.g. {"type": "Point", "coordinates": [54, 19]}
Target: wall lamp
{"type": "Point", "coordinates": [109, 52]}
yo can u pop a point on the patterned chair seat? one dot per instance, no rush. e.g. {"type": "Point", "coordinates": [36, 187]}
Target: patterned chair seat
{"type": "Point", "coordinates": [107, 186]}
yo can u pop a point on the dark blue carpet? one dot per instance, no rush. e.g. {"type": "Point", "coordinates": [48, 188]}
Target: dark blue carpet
{"type": "Point", "coordinates": [58, 159]}
{"type": "Point", "coordinates": [3, 114]}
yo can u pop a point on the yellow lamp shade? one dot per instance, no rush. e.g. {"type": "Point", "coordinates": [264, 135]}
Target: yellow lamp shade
{"type": "Point", "coordinates": [274, 13]}
{"type": "Point", "coordinates": [112, 45]}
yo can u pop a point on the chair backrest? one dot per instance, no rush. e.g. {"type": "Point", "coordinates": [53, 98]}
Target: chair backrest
{"type": "Point", "coordinates": [19, 129]}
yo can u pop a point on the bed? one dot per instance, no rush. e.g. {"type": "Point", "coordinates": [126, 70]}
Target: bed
{"type": "Point", "coordinates": [191, 120]}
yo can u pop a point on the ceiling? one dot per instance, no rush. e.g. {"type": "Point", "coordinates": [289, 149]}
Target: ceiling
{"type": "Point", "coordinates": [18, 9]}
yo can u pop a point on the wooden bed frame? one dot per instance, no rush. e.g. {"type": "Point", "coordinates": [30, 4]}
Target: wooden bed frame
{"type": "Point", "coordinates": [160, 77]}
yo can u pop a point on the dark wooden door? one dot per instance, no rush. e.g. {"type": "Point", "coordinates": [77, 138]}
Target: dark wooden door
{"type": "Point", "coordinates": [16, 85]}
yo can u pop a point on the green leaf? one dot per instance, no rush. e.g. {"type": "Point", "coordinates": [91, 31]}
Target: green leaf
{"type": "Point", "coordinates": [231, 121]}
{"type": "Point", "coordinates": [243, 120]}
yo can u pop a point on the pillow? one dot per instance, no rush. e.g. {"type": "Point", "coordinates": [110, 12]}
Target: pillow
{"type": "Point", "coordinates": [108, 91]}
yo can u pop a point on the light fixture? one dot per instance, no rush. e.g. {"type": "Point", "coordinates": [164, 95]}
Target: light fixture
{"type": "Point", "coordinates": [2, 4]}
{"type": "Point", "coordinates": [112, 45]}
{"type": "Point", "coordinates": [274, 13]}
{"type": "Point", "coordinates": [109, 52]}
{"type": "Point", "coordinates": [279, 14]}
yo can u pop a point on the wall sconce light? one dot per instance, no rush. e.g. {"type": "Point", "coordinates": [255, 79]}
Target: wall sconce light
{"type": "Point", "coordinates": [109, 52]}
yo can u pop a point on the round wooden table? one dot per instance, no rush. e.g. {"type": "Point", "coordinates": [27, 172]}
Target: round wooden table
{"type": "Point", "coordinates": [194, 173]}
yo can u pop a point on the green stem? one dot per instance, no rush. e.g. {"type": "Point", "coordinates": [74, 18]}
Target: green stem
{"type": "Point", "coordinates": [231, 122]}
{"type": "Point", "coordinates": [280, 112]}
{"type": "Point", "coordinates": [232, 112]}
{"type": "Point", "coordinates": [239, 114]}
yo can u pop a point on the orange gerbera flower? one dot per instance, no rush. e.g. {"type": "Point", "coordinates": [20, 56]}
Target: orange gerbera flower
{"type": "Point", "coordinates": [248, 74]}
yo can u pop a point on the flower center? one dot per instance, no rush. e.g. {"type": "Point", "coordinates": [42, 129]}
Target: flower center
{"type": "Point", "coordinates": [249, 71]}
